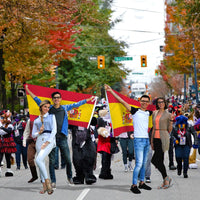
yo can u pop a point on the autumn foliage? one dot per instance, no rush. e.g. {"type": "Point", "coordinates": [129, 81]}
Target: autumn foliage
{"type": "Point", "coordinates": [181, 35]}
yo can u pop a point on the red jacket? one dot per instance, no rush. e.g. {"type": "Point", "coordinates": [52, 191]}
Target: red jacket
{"type": "Point", "coordinates": [103, 144]}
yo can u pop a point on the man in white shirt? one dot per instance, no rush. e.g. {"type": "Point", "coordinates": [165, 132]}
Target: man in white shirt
{"type": "Point", "coordinates": [141, 138]}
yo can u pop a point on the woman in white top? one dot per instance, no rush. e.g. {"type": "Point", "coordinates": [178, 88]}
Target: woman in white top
{"type": "Point", "coordinates": [44, 128]}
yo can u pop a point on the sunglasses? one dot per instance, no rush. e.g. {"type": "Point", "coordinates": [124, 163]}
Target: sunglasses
{"type": "Point", "coordinates": [56, 97]}
{"type": "Point", "coordinates": [160, 102]}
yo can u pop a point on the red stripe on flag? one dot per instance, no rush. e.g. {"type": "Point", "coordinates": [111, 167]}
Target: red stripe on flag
{"type": "Point", "coordinates": [112, 99]}
{"type": "Point", "coordinates": [78, 123]}
{"type": "Point", "coordinates": [118, 131]}
{"type": "Point", "coordinates": [66, 95]}
{"type": "Point", "coordinates": [130, 101]}
{"type": "Point", "coordinates": [33, 117]}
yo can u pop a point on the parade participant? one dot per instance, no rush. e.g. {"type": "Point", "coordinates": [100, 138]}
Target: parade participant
{"type": "Point", "coordinates": [183, 143]}
{"type": "Point", "coordinates": [83, 155]}
{"type": "Point", "coordinates": [7, 144]}
{"type": "Point", "coordinates": [104, 143]}
{"type": "Point", "coordinates": [44, 128]}
{"type": "Point", "coordinates": [171, 109]}
{"type": "Point", "coordinates": [127, 146]}
{"type": "Point", "coordinates": [19, 126]}
{"type": "Point", "coordinates": [60, 112]}
{"type": "Point", "coordinates": [28, 139]}
{"type": "Point", "coordinates": [141, 138]}
{"type": "Point", "coordinates": [162, 126]}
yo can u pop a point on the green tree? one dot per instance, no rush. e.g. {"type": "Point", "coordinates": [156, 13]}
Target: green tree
{"type": "Point", "coordinates": [79, 73]}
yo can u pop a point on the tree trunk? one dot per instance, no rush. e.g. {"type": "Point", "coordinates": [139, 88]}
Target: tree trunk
{"type": "Point", "coordinates": [2, 79]}
{"type": "Point", "coordinates": [13, 90]}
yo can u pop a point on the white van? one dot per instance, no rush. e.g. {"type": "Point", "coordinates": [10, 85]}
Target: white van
{"type": "Point", "coordinates": [137, 90]}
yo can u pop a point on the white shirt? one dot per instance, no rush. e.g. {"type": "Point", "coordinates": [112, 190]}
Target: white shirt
{"type": "Point", "coordinates": [49, 124]}
{"type": "Point", "coordinates": [141, 123]}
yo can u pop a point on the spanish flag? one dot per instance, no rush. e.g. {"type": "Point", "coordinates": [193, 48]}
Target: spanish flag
{"type": "Point", "coordinates": [80, 116]}
{"type": "Point", "coordinates": [121, 118]}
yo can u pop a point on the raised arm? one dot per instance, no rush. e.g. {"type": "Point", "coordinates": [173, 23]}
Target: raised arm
{"type": "Point", "coordinates": [109, 89]}
{"type": "Point", "coordinates": [27, 89]}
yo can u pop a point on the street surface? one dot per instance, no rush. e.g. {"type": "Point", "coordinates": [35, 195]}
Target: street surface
{"type": "Point", "coordinates": [17, 188]}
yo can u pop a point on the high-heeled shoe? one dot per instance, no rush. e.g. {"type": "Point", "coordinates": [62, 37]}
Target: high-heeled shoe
{"type": "Point", "coordinates": [49, 187]}
{"type": "Point", "coordinates": [169, 180]}
{"type": "Point", "coordinates": [44, 188]}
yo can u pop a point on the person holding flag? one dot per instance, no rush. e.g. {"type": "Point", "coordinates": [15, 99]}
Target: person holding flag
{"type": "Point", "coordinates": [60, 112]}
{"type": "Point", "coordinates": [141, 138]}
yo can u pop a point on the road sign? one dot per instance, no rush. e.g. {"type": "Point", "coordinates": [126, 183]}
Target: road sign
{"type": "Point", "coordinates": [21, 102]}
{"type": "Point", "coordinates": [137, 73]}
{"type": "Point", "coordinates": [123, 58]}
{"type": "Point", "coordinates": [169, 54]}
{"type": "Point", "coordinates": [189, 81]}
{"type": "Point", "coordinates": [92, 58]}
{"type": "Point", "coordinates": [21, 92]}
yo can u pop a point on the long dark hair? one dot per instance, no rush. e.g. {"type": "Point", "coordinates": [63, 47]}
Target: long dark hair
{"type": "Point", "coordinates": [165, 102]}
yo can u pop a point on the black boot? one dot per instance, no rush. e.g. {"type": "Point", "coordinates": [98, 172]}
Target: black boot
{"type": "Point", "coordinates": [34, 174]}
{"type": "Point", "coordinates": [90, 179]}
{"type": "Point", "coordinates": [78, 180]}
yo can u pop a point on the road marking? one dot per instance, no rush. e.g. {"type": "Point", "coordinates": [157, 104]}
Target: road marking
{"type": "Point", "coordinates": [83, 194]}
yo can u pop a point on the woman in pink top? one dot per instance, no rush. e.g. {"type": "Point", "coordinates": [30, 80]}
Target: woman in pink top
{"type": "Point", "coordinates": [162, 126]}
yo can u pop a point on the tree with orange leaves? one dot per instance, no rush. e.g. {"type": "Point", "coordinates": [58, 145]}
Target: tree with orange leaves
{"type": "Point", "coordinates": [181, 35]}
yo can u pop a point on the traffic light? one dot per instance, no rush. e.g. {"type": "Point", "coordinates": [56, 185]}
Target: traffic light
{"type": "Point", "coordinates": [143, 61]}
{"type": "Point", "coordinates": [101, 62]}
{"type": "Point", "coordinates": [156, 72]}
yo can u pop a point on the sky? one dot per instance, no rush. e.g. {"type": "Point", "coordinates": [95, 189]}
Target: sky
{"type": "Point", "coordinates": [142, 28]}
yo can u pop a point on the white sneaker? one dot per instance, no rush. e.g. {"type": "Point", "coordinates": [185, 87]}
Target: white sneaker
{"type": "Point", "coordinates": [126, 169]}
{"type": "Point", "coordinates": [0, 172]}
{"type": "Point", "coordinates": [130, 168]}
{"type": "Point", "coordinates": [53, 185]}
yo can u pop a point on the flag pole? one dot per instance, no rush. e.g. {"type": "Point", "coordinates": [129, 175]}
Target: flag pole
{"type": "Point", "coordinates": [109, 111]}
{"type": "Point", "coordinates": [92, 112]}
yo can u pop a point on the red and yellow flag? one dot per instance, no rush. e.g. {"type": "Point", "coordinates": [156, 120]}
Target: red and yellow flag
{"type": "Point", "coordinates": [79, 116]}
{"type": "Point", "coordinates": [121, 118]}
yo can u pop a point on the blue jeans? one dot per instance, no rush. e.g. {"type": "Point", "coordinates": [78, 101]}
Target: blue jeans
{"type": "Point", "coordinates": [21, 150]}
{"type": "Point", "coordinates": [127, 144]}
{"type": "Point", "coordinates": [57, 159]}
{"type": "Point", "coordinates": [141, 149]}
{"type": "Point", "coordinates": [61, 143]}
{"type": "Point", "coordinates": [148, 164]}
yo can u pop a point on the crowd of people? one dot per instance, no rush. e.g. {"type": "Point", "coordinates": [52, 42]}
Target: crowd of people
{"type": "Point", "coordinates": [175, 127]}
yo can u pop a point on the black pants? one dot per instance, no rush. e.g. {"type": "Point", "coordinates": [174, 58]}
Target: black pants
{"type": "Point", "coordinates": [158, 157]}
{"type": "Point", "coordinates": [106, 163]}
{"type": "Point", "coordinates": [171, 151]}
{"type": "Point", "coordinates": [8, 156]}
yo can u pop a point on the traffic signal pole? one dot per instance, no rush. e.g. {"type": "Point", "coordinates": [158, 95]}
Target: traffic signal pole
{"type": "Point", "coordinates": [195, 76]}
{"type": "Point", "coordinates": [184, 88]}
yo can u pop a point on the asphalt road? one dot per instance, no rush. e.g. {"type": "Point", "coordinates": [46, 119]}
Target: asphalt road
{"type": "Point", "coordinates": [17, 188]}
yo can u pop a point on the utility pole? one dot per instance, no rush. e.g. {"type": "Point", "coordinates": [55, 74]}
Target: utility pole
{"type": "Point", "coordinates": [184, 88]}
{"type": "Point", "coordinates": [195, 76]}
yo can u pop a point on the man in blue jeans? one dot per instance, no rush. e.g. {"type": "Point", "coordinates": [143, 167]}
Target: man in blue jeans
{"type": "Point", "coordinates": [60, 112]}
{"type": "Point", "coordinates": [141, 138]}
